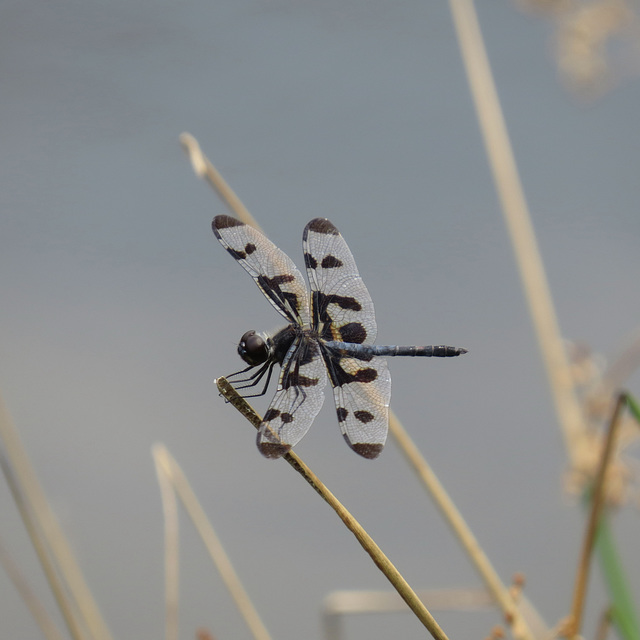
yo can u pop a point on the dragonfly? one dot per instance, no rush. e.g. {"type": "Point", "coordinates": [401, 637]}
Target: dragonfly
{"type": "Point", "coordinates": [330, 335]}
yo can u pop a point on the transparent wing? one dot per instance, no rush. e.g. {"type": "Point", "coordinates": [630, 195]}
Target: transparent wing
{"type": "Point", "coordinates": [272, 269]}
{"type": "Point", "coordinates": [362, 390]}
{"type": "Point", "coordinates": [342, 308]}
{"type": "Point", "coordinates": [297, 401]}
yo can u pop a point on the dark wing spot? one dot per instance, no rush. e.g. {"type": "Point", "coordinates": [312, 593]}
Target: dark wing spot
{"type": "Point", "coordinates": [365, 375]}
{"type": "Point", "coordinates": [286, 418]}
{"type": "Point", "coordinates": [273, 450]}
{"type": "Point", "coordinates": [321, 225]}
{"type": "Point", "coordinates": [366, 450]}
{"type": "Point", "coordinates": [224, 222]}
{"type": "Point", "coordinates": [353, 332]}
{"type": "Point", "coordinates": [345, 302]}
{"type": "Point", "coordinates": [250, 248]}
{"type": "Point", "coordinates": [271, 288]}
{"type": "Point", "coordinates": [364, 416]}
{"type": "Point", "coordinates": [292, 378]}
{"type": "Point", "coordinates": [339, 376]}
{"type": "Point", "coordinates": [310, 262]}
{"type": "Point", "coordinates": [321, 317]}
{"type": "Point", "coordinates": [276, 281]}
{"type": "Point", "coordinates": [270, 415]}
{"type": "Point", "coordinates": [304, 381]}
{"type": "Point", "coordinates": [238, 255]}
{"type": "Point", "coordinates": [330, 262]}
{"type": "Point", "coordinates": [342, 414]}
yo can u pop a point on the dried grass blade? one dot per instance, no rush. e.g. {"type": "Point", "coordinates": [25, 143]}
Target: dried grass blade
{"type": "Point", "coordinates": [597, 501]}
{"type": "Point", "coordinates": [204, 169]}
{"type": "Point", "coordinates": [171, 548]}
{"type": "Point", "coordinates": [36, 608]}
{"type": "Point", "coordinates": [461, 530]}
{"type": "Point", "coordinates": [66, 564]}
{"type": "Point", "coordinates": [180, 484]}
{"type": "Point", "coordinates": [622, 611]}
{"type": "Point", "coordinates": [69, 613]}
{"type": "Point", "coordinates": [518, 221]}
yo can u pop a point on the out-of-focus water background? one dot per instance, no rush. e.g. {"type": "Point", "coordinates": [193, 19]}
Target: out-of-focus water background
{"type": "Point", "coordinates": [119, 308]}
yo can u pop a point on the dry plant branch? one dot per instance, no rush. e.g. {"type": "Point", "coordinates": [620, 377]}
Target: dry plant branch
{"type": "Point", "coordinates": [169, 468]}
{"type": "Point", "coordinates": [29, 487]}
{"type": "Point", "coordinates": [597, 499]}
{"type": "Point", "coordinates": [40, 547]}
{"type": "Point", "coordinates": [36, 608]}
{"type": "Point", "coordinates": [204, 169]}
{"type": "Point", "coordinates": [461, 530]}
{"type": "Point", "coordinates": [345, 602]}
{"type": "Point", "coordinates": [518, 221]}
{"type": "Point", "coordinates": [171, 552]}
{"type": "Point", "coordinates": [365, 540]}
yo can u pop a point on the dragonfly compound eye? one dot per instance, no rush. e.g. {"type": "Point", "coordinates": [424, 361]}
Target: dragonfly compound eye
{"type": "Point", "coordinates": [253, 349]}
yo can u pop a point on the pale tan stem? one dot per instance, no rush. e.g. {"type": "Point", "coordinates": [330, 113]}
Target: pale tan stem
{"type": "Point", "coordinates": [171, 470]}
{"type": "Point", "coordinates": [30, 488]}
{"type": "Point", "coordinates": [36, 608]}
{"type": "Point", "coordinates": [203, 168]}
{"type": "Point", "coordinates": [597, 500]}
{"type": "Point", "coordinates": [367, 543]}
{"type": "Point", "coordinates": [518, 221]}
{"type": "Point", "coordinates": [171, 551]}
{"type": "Point", "coordinates": [40, 547]}
{"type": "Point", "coordinates": [461, 530]}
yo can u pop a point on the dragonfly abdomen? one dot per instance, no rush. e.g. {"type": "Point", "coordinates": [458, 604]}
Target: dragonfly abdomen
{"type": "Point", "coordinates": [430, 351]}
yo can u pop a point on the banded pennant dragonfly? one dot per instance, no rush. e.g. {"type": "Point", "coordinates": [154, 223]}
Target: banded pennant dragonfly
{"type": "Point", "coordinates": [330, 334]}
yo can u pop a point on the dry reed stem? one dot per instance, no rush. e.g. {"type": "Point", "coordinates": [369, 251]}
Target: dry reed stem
{"type": "Point", "coordinates": [204, 169]}
{"type": "Point", "coordinates": [35, 606]}
{"type": "Point", "coordinates": [171, 552]}
{"type": "Point", "coordinates": [349, 602]}
{"type": "Point", "coordinates": [461, 530]}
{"type": "Point", "coordinates": [40, 547]}
{"type": "Point", "coordinates": [518, 221]}
{"type": "Point", "coordinates": [597, 500]}
{"type": "Point", "coordinates": [365, 540]}
{"type": "Point", "coordinates": [29, 487]}
{"type": "Point", "coordinates": [167, 465]}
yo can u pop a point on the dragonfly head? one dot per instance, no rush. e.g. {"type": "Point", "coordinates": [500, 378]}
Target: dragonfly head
{"type": "Point", "coordinates": [253, 348]}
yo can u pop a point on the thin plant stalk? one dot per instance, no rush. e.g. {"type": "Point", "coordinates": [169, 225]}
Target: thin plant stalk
{"type": "Point", "coordinates": [622, 612]}
{"type": "Point", "coordinates": [174, 474]}
{"type": "Point", "coordinates": [40, 547]}
{"type": "Point", "coordinates": [29, 487]}
{"type": "Point", "coordinates": [36, 608]}
{"type": "Point", "coordinates": [365, 540]}
{"type": "Point", "coordinates": [204, 169]}
{"type": "Point", "coordinates": [171, 551]}
{"type": "Point", "coordinates": [461, 530]}
{"type": "Point", "coordinates": [518, 221]}
{"type": "Point", "coordinates": [516, 214]}
{"type": "Point", "coordinates": [597, 500]}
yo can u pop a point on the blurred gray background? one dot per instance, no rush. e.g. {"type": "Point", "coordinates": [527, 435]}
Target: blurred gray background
{"type": "Point", "coordinates": [119, 308]}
